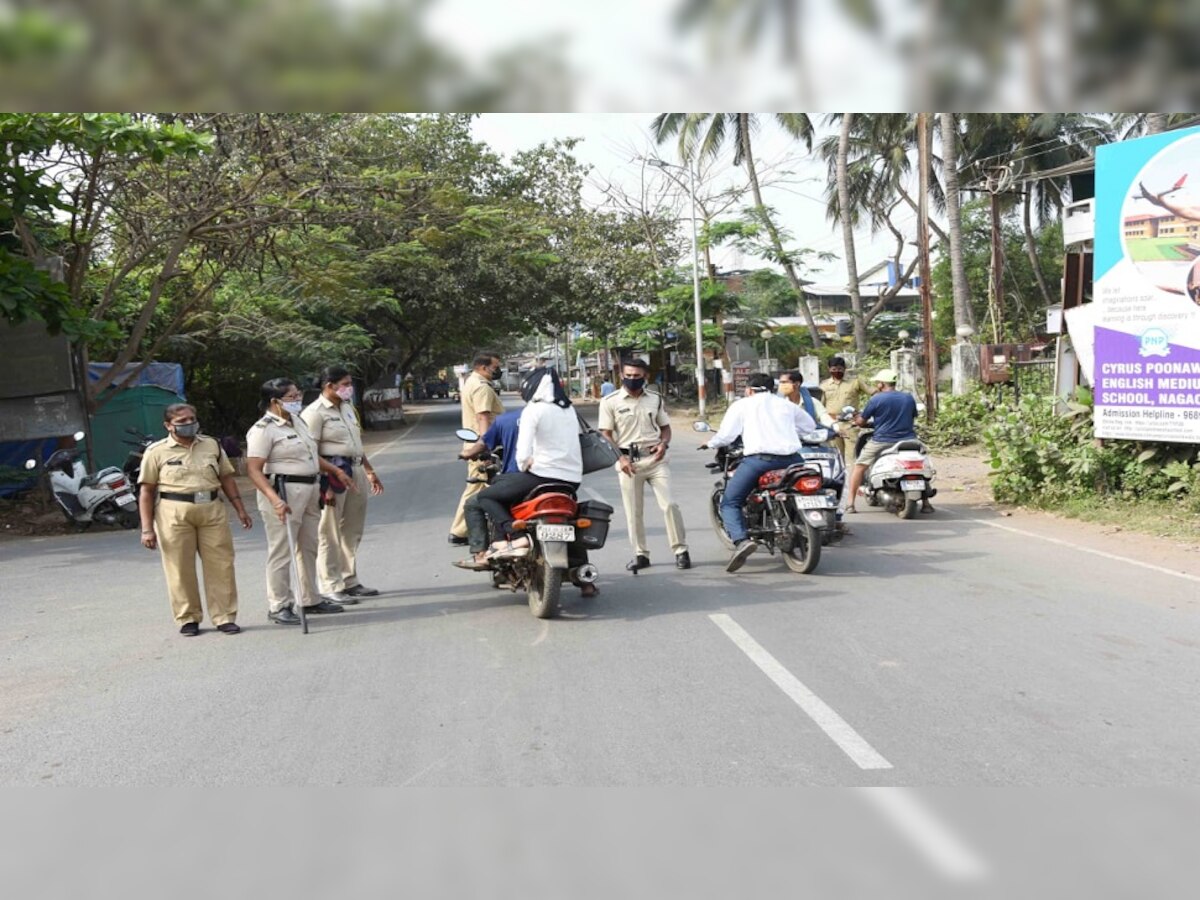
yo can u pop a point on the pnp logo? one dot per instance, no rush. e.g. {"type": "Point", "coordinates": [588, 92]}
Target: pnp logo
{"type": "Point", "coordinates": [1155, 343]}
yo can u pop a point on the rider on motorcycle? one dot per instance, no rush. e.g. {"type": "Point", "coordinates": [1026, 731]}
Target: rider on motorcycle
{"type": "Point", "coordinates": [770, 429]}
{"type": "Point", "coordinates": [894, 414]}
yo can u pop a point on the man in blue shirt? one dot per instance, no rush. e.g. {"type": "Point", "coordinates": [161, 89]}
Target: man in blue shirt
{"type": "Point", "coordinates": [893, 413]}
{"type": "Point", "coordinates": [503, 433]}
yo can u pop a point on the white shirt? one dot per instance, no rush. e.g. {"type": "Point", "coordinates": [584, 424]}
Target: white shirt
{"type": "Point", "coordinates": [767, 423]}
{"type": "Point", "coordinates": [548, 442]}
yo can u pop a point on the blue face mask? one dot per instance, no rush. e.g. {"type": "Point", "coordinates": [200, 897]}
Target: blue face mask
{"type": "Point", "coordinates": [188, 430]}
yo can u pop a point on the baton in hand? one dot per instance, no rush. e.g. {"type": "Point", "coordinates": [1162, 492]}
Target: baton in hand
{"type": "Point", "coordinates": [281, 490]}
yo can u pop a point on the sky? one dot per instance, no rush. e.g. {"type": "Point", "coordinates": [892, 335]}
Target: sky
{"type": "Point", "coordinates": [794, 182]}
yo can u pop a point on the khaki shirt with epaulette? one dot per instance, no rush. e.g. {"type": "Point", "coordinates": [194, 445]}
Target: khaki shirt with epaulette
{"type": "Point", "coordinates": [847, 392]}
{"type": "Point", "coordinates": [288, 447]}
{"type": "Point", "coordinates": [185, 468]}
{"type": "Point", "coordinates": [479, 397]}
{"type": "Point", "coordinates": [335, 428]}
{"type": "Point", "coordinates": [633, 420]}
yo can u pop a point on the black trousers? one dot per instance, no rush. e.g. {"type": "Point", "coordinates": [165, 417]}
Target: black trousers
{"type": "Point", "coordinates": [494, 503]}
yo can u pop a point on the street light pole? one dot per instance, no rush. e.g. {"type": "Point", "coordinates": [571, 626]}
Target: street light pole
{"type": "Point", "coordinates": [700, 379]}
{"type": "Point", "coordinates": [766, 334]}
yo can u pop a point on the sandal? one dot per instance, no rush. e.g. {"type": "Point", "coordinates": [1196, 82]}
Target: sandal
{"type": "Point", "coordinates": [851, 511]}
{"type": "Point", "coordinates": [508, 550]}
{"type": "Point", "coordinates": [473, 564]}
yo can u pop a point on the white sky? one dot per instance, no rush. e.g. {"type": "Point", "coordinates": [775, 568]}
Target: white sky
{"type": "Point", "coordinates": [611, 142]}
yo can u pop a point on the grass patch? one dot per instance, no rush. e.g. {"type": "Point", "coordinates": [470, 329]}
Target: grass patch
{"type": "Point", "coordinates": [1168, 249]}
{"type": "Point", "coordinates": [1159, 518]}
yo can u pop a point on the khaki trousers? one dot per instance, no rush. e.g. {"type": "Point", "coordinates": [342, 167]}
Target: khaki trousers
{"type": "Point", "coordinates": [342, 524]}
{"type": "Point", "coordinates": [845, 445]}
{"type": "Point", "coordinates": [304, 524]}
{"type": "Point", "coordinates": [658, 476]}
{"type": "Point", "coordinates": [474, 470]}
{"type": "Point", "coordinates": [186, 530]}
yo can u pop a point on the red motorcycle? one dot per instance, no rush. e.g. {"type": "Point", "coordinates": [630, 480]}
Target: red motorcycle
{"type": "Point", "coordinates": [560, 528]}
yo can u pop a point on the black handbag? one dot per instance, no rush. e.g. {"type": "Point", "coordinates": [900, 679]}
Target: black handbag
{"type": "Point", "coordinates": [597, 452]}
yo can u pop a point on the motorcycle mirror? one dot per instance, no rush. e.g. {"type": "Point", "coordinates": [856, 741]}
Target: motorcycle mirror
{"type": "Point", "coordinates": [701, 426]}
{"type": "Point", "coordinates": [847, 410]}
{"type": "Point", "coordinates": [466, 435]}
{"type": "Point", "coordinates": [31, 463]}
{"type": "Point", "coordinates": [79, 435]}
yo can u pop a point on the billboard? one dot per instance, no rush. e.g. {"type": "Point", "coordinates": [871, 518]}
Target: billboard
{"type": "Point", "coordinates": [1146, 368]}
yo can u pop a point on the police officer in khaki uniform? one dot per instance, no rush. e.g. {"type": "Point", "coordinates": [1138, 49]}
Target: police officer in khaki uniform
{"type": "Point", "coordinates": [840, 393]}
{"type": "Point", "coordinates": [332, 420]}
{"type": "Point", "coordinates": [281, 454]}
{"type": "Point", "coordinates": [480, 406]}
{"type": "Point", "coordinates": [182, 472]}
{"type": "Point", "coordinates": [637, 422]}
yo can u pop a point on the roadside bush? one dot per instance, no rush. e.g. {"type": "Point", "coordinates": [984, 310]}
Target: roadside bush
{"type": "Point", "coordinates": [960, 421]}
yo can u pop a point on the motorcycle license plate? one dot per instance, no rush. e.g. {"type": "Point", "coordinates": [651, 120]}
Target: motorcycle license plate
{"type": "Point", "coordinates": [126, 499]}
{"type": "Point", "coordinates": [814, 502]}
{"type": "Point", "coordinates": [556, 533]}
{"type": "Point", "coordinates": [912, 484]}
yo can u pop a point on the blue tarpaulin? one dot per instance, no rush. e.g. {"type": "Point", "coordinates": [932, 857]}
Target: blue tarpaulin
{"type": "Point", "coordinates": [14, 453]}
{"type": "Point", "coordinates": [160, 374]}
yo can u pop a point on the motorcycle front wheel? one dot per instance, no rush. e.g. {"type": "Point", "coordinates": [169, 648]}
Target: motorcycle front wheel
{"type": "Point", "coordinates": [806, 549]}
{"type": "Point", "coordinates": [545, 589]}
{"type": "Point", "coordinates": [714, 515]}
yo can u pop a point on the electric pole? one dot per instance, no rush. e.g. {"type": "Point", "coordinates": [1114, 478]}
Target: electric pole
{"type": "Point", "coordinates": [931, 362]}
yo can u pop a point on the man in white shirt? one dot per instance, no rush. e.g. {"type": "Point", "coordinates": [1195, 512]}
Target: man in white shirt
{"type": "Point", "coordinates": [770, 429]}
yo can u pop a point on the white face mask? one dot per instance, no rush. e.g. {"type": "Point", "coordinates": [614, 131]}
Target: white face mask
{"type": "Point", "coordinates": [292, 407]}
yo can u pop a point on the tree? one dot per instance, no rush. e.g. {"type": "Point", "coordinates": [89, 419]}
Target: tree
{"type": "Point", "coordinates": [963, 318]}
{"type": "Point", "coordinates": [843, 194]}
{"type": "Point", "coordinates": [701, 135]}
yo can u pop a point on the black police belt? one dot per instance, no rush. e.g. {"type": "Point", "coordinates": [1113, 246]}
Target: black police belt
{"type": "Point", "coordinates": [195, 497]}
{"type": "Point", "coordinates": [634, 451]}
{"type": "Point", "coordinates": [296, 479]}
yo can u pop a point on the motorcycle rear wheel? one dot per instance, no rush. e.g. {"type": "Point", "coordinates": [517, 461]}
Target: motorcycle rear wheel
{"type": "Point", "coordinates": [806, 549]}
{"type": "Point", "coordinates": [545, 590]}
{"type": "Point", "coordinates": [909, 509]}
{"type": "Point", "coordinates": [714, 515]}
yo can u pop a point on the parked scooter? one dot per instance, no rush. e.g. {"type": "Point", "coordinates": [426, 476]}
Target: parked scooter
{"type": "Point", "coordinates": [553, 519]}
{"type": "Point", "coordinates": [901, 479]}
{"type": "Point", "coordinates": [106, 497]}
{"type": "Point", "coordinates": [793, 509]}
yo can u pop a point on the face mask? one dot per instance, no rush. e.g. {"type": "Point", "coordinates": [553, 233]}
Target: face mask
{"type": "Point", "coordinates": [188, 430]}
{"type": "Point", "coordinates": [496, 373]}
{"type": "Point", "coordinates": [346, 393]}
{"type": "Point", "coordinates": [837, 374]}
{"type": "Point", "coordinates": [633, 384]}
{"type": "Point", "coordinates": [292, 407]}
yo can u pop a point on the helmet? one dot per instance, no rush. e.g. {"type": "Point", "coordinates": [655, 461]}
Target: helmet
{"type": "Point", "coordinates": [887, 376]}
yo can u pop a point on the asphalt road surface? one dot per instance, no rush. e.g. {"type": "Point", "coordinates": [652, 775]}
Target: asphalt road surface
{"type": "Point", "coordinates": [942, 651]}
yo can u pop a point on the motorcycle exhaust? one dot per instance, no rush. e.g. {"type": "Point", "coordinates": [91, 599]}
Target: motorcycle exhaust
{"type": "Point", "coordinates": [586, 574]}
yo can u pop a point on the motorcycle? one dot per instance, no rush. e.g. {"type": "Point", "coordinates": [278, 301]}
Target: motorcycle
{"type": "Point", "coordinates": [554, 520]}
{"type": "Point", "coordinates": [793, 509]}
{"type": "Point", "coordinates": [132, 466]}
{"type": "Point", "coordinates": [106, 497]}
{"type": "Point", "coordinates": [901, 479]}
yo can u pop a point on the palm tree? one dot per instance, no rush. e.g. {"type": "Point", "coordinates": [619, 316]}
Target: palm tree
{"type": "Point", "coordinates": [843, 195]}
{"type": "Point", "coordinates": [963, 317]}
{"type": "Point", "coordinates": [702, 135]}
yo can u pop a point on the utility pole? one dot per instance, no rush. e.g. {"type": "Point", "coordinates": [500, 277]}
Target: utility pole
{"type": "Point", "coordinates": [997, 268]}
{"type": "Point", "coordinates": [931, 364]}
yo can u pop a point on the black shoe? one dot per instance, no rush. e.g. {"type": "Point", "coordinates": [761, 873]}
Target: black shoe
{"type": "Point", "coordinates": [638, 562]}
{"type": "Point", "coordinates": [190, 629]}
{"type": "Point", "coordinates": [456, 540]}
{"type": "Point", "coordinates": [324, 607]}
{"type": "Point", "coordinates": [741, 551]}
{"type": "Point", "coordinates": [340, 597]}
{"type": "Point", "coordinates": [229, 628]}
{"type": "Point", "coordinates": [284, 617]}
{"type": "Point", "coordinates": [358, 590]}
{"type": "Point", "coordinates": [683, 560]}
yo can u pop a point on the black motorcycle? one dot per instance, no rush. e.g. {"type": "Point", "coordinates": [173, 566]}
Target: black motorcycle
{"type": "Point", "coordinates": [133, 460]}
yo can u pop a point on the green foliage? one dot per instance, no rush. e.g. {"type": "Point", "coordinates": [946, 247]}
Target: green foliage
{"type": "Point", "coordinates": [960, 421]}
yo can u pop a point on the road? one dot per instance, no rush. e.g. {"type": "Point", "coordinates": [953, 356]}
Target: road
{"type": "Point", "coordinates": [943, 651]}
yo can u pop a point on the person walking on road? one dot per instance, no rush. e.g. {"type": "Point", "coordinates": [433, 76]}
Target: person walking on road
{"type": "Point", "coordinates": [636, 421]}
{"type": "Point", "coordinates": [183, 517]}
{"type": "Point", "coordinates": [770, 428]}
{"type": "Point", "coordinates": [840, 393]}
{"type": "Point", "coordinates": [480, 406]}
{"type": "Point", "coordinates": [281, 442]}
{"type": "Point", "coordinates": [333, 423]}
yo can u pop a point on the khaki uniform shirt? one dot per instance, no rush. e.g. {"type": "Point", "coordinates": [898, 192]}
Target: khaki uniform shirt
{"type": "Point", "coordinates": [633, 420]}
{"type": "Point", "coordinates": [288, 447]}
{"type": "Point", "coordinates": [180, 469]}
{"type": "Point", "coordinates": [335, 428]}
{"type": "Point", "coordinates": [479, 396]}
{"type": "Point", "coordinates": [847, 392]}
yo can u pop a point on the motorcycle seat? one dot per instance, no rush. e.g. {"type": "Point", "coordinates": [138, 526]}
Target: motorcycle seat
{"type": "Point", "coordinates": [910, 444]}
{"type": "Point", "coordinates": [551, 487]}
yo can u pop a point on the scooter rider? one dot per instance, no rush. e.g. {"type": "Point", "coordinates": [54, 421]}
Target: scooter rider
{"type": "Point", "coordinates": [894, 414]}
{"type": "Point", "coordinates": [770, 428]}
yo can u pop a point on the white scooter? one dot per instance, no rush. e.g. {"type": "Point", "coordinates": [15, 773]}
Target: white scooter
{"type": "Point", "coordinates": [901, 479]}
{"type": "Point", "coordinates": [106, 497]}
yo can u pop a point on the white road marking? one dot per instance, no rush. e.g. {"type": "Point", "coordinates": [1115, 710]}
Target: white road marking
{"type": "Point", "coordinates": [839, 731]}
{"type": "Point", "coordinates": [1123, 559]}
{"type": "Point", "coordinates": [914, 820]}
{"type": "Point", "coordinates": [542, 632]}
{"type": "Point", "coordinates": [401, 436]}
